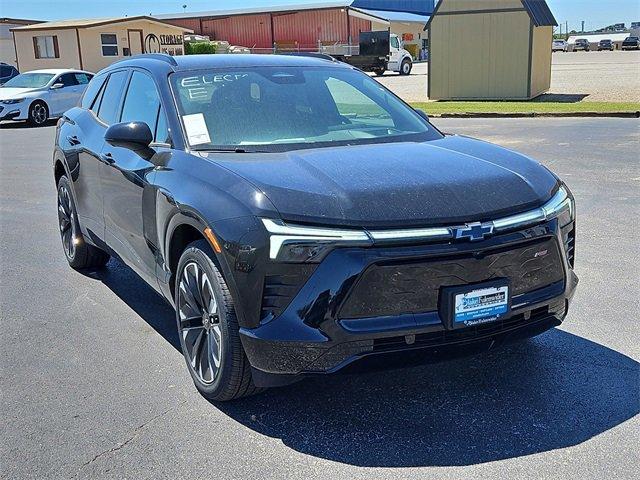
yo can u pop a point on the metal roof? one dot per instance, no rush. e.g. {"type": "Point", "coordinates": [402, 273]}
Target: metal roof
{"type": "Point", "coordinates": [540, 13]}
{"type": "Point", "coordinates": [383, 7]}
{"type": "Point", "coordinates": [596, 37]}
{"type": "Point", "coordinates": [90, 22]}
{"type": "Point", "coordinates": [397, 16]}
{"type": "Point", "coordinates": [265, 9]}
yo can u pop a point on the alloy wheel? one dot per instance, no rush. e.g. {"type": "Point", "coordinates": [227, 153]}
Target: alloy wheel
{"type": "Point", "coordinates": [199, 322]}
{"type": "Point", "coordinates": [39, 113]}
{"type": "Point", "coordinates": [66, 221]}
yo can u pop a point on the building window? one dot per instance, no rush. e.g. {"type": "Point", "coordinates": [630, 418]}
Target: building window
{"type": "Point", "coordinates": [46, 46]}
{"type": "Point", "coordinates": [109, 44]}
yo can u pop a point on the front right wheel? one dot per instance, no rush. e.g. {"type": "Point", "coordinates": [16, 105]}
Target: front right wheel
{"type": "Point", "coordinates": [208, 328]}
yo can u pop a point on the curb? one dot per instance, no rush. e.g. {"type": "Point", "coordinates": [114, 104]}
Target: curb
{"type": "Point", "coordinates": [537, 114]}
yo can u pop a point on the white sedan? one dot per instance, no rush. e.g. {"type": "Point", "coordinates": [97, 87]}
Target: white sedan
{"type": "Point", "coordinates": [39, 95]}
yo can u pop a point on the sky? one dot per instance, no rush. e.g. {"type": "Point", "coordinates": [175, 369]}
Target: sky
{"type": "Point", "coordinates": [595, 13]}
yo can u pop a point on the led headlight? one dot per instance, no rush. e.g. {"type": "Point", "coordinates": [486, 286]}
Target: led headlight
{"type": "Point", "coordinates": [11, 101]}
{"type": "Point", "coordinates": [561, 206]}
{"type": "Point", "coordinates": [295, 243]}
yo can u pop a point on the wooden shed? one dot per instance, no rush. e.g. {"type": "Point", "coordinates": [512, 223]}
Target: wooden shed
{"type": "Point", "coordinates": [490, 49]}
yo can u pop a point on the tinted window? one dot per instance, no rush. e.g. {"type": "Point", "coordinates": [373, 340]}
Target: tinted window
{"type": "Point", "coordinates": [142, 102]}
{"type": "Point", "coordinates": [108, 111]}
{"type": "Point", "coordinates": [67, 79]}
{"type": "Point", "coordinates": [5, 71]}
{"type": "Point", "coordinates": [92, 91]}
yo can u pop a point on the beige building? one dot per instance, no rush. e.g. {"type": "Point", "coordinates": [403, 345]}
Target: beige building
{"type": "Point", "coordinates": [490, 49]}
{"type": "Point", "coordinates": [95, 43]}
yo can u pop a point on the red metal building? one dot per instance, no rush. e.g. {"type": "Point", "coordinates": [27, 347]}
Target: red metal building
{"type": "Point", "coordinates": [303, 27]}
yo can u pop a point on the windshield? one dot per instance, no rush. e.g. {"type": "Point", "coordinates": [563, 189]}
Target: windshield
{"type": "Point", "coordinates": [29, 80]}
{"type": "Point", "coordinates": [285, 108]}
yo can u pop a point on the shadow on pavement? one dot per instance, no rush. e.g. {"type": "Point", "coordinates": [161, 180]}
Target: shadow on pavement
{"type": "Point", "coordinates": [9, 125]}
{"type": "Point", "coordinates": [561, 97]}
{"type": "Point", "coordinates": [554, 391]}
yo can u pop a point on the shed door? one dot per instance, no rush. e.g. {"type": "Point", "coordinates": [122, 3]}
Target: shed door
{"type": "Point", "coordinates": [135, 41]}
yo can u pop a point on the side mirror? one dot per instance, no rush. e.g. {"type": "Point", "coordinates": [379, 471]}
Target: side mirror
{"type": "Point", "coordinates": [422, 113]}
{"type": "Point", "coordinates": [56, 86]}
{"type": "Point", "coordinates": [135, 136]}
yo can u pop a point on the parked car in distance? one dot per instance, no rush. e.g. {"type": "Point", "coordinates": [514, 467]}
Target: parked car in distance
{"type": "Point", "coordinates": [300, 217]}
{"type": "Point", "coordinates": [7, 72]}
{"type": "Point", "coordinates": [39, 95]}
{"type": "Point", "coordinates": [631, 43]}
{"type": "Point", "coordinates": [581, 44]}
{"type": "Point", "coordinates": [606, 44]}
{"type": "Point", "coordinates": [559, 46]}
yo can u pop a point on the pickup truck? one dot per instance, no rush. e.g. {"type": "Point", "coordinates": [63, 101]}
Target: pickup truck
{"type": "Point", "coordinates": [377, 52]}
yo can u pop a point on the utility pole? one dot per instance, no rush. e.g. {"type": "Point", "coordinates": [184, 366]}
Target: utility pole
{"type": "Point", "coordinates": [582, 26]}
{"type": "Point", "coordinates": [566, 29]}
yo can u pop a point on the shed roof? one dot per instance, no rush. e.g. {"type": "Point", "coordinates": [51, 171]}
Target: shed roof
{"type": "Point", "coordinates": [91, 22]}
{"type": "Point", "coordinates": [538, 11]}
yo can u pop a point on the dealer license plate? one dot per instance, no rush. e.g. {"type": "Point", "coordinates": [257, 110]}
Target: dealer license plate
{"type": "Point", "coordinates": [481, 305]}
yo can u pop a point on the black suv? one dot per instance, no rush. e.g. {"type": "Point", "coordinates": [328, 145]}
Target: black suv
{"type": "Point", "coordinates": [606, 45]}
{"type": "Point", "coordinates": [300, 217]}
{"type": "Point", "coordinates": [631, 43]}
{"type": "Point", "coordinates": [582, 44]}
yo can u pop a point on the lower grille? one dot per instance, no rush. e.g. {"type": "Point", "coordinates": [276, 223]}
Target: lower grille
{"type": "Point", "coordinates": [391, 289]}
{"type": "Point", "coordinates": [443, 337]}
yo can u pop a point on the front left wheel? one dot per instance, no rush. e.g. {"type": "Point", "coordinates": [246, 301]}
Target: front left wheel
{"type": "Point", "coordinates": [38, 113]}
{"type": "Point", "coordinates": [208, 327]}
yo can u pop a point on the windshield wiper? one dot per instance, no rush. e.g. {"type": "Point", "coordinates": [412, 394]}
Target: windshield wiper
{"type": "Point", "coordinates": [205, 148]}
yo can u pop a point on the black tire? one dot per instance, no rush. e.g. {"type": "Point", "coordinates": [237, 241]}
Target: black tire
{"type": "Point", "coordinates": [79, 253]}
{"type": "Point", "coordinates": [405, 67]}
{"type": "Point", "coordinates": [209, 330]}
{"type": "Point", "coordinates": [379, 72]}
{"type": "Point", "coordinates": [38, 113]}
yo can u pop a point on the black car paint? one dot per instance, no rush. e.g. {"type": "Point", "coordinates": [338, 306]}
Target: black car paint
{"type": "Point", "coordinates": [133, 204]}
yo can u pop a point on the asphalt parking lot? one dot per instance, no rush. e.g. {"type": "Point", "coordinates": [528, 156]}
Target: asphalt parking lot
{"type": "Point", "coordinates": [92, 383]}
{"type": "Point", "coordinates": [575, 76]}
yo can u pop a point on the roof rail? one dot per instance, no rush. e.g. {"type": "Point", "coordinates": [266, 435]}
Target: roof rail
{"type": "Point", "coordinates": [158, 56]}
{"type": "Point", "coordinates": [322, 56]}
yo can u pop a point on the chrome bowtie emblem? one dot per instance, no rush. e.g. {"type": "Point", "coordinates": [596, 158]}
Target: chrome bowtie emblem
{"type": "Point", "coordinates": [474, 231]}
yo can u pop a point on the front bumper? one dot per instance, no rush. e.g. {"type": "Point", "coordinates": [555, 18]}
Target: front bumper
{"type": "Point", "coordinates": [313, 335]}
{"type": "Point", "coordinates": [9, 112]}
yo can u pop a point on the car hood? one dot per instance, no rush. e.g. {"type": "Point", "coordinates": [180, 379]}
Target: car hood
{"type": "Point", "coordinates": [451, 180]}
{"type": "Point", "coordinates": [7, 93]}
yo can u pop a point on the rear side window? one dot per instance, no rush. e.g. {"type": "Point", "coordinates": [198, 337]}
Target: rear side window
{"type": "Point", "coordinates": [67, 79]}
{"type": "Point", "coordinates": [142, 104]}
{"type": "Point", "coordinates": [92, 90]}
{"type": "Point", "coordinates": [82, 78]}
{"type": "Point", "coordinates": [112, 93]}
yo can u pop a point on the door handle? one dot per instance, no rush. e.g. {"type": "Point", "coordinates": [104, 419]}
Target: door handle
{"type": "Point", "coordinates": [73, 140]}
{"type": "Point", "coordinates": [107, 158]}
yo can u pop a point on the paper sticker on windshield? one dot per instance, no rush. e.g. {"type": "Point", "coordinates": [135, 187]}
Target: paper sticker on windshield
{"type": "Point", "coordinates": [196, 128]}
